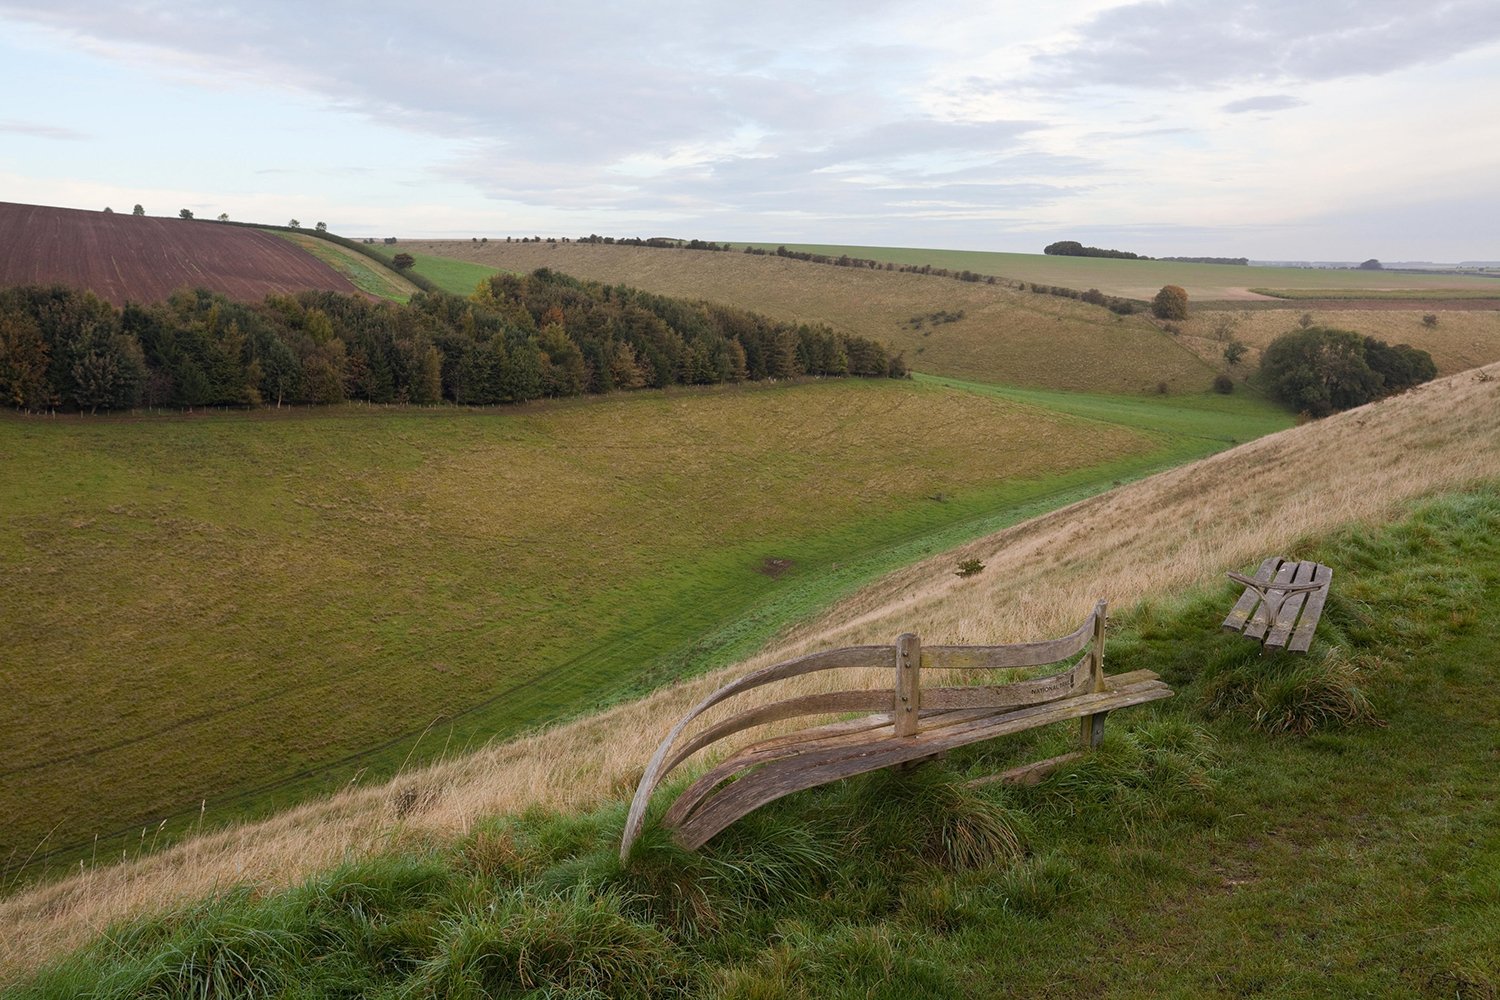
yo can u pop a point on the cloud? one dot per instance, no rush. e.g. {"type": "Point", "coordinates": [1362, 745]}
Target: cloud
{"type": "Point", "coordinates": [39, 131]}
{"type": "Point", "coordinates": [1207, 43]}
{"type": "Point", "coordinates": [1269, 102]}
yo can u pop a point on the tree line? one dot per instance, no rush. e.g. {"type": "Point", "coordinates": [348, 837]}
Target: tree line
{"type": "Point", "coordinates": [520, 337]}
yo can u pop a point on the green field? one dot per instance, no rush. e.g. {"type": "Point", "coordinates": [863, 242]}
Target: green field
{"type": "Point", "coordinates": [457, 277]}
{"type": "Point", "coordinates": [1205, 850]}
{"type": "Point", "coordinates": [366, 274]}
{"type": "Point", "coordinates": [1141, 279]}
{"type": "Point", "coordinates": [246, 608]}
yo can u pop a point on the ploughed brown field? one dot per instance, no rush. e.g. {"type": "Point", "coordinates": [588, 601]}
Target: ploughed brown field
{"type": "Point", "coordinates": [144, 259]}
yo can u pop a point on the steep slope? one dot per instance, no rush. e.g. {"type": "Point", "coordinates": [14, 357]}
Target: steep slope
{"type": "Point", "coordinates": [1157, 536]}
{"type": "Point", "coordinates": [144, 259]}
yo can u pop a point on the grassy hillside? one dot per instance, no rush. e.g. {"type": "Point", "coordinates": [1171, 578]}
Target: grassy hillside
{"type": "Point", "coordinates": [1203, 851]}
{"type": "Point", "coordinates": [1004, 336]}
{"type": "Point", "coordinates": [1460, 339]}
{"type": "Point", "coordinates": [1158, 538]}
{"type": "Point", "coordinates": [243, 608]}
{"type": "Point", "coordinates": [365, 274]}
{"type": "Point", "coordinates": [459, 277]}
{"type": "Point", "coordinates": [1141, 279]}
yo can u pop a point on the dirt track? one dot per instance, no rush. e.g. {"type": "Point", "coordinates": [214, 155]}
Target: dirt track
{"type": "Point", "coordinates": [145, 259]}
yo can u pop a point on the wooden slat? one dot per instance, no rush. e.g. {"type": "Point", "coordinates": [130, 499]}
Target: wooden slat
{"type": "Point", "coordinates": [1021, 654]}
{"type": "Point", "coordinates": [1239, 615]}
{"type": "Point", "coordinates": [816, 768]}
{"type": "Point", "coordinates": [1303, 636]}
{"type": "Point", "coordinates": [854, 732]}
{"type": "Point", "coordinates": [1027, 774]}
{"type": "Point", "coordinates": [1286, 618]}
{"type": "Point", "coordinates": [812, 704]}
{"type": "Point", "coordinates": [1015, 694]}
{"type": "Point", "coordinates": [1258, 622]}
{"type": "Point", "coordinates": [859, 657]}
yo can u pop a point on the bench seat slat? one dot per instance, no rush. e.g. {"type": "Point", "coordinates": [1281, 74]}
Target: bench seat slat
{"type": "Point", "coordinates": [1303, 636]}
{"type": "Point", "coordinates": [1259, 623]}
{"type": "Point", "coordinates": [1286, 618]}
{"type": "Point", "coordinates": [816, 764]}
{"type": "Point", "coordinates": [1239, 615]}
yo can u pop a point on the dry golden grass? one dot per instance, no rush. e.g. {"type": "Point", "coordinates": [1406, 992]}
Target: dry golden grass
{"type": "Point", "coordinates": [1462, 339]}
{"type": "Point", "coordinates": [1005, 336]}
{"type": "Point", "coordinates": [1157, 536]}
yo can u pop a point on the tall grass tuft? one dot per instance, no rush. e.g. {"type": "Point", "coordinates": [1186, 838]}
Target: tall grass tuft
{"type": "Point", "coordinates": [929, 814]}
{"type": "Point", "coordinates": [577, 943]}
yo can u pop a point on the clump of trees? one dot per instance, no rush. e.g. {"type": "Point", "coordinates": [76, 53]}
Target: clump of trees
{"type": "Point", "coordinates": [1320, 370]}
{"type": "Point", "coordinates": [1072, 248]}
{"type": "Point", "coordinates": [1170, 303]}
{"type": "Point", "coordinates": [517, 338]}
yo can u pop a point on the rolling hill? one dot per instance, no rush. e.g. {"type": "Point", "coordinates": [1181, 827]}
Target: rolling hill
{"type": "Point", "coordinates": [1150, 540]}
{"type": "Point", "coordinates": [144, 259]}
{"type": "Point", "coordinates": [1002, 335]}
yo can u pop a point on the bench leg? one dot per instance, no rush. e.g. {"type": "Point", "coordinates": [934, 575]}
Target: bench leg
{"type": "Point", "coordinates": [1091, 730]}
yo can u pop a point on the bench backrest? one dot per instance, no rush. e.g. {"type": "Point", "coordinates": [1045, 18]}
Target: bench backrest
{"type": "Point", "coordinates": [903, 696]}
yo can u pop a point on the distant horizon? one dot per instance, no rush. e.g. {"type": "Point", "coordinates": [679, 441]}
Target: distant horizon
{"type": "Point", "coordinates": [366, 232]}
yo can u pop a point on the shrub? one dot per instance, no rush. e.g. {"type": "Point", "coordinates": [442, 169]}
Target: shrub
{"type": "Point", "coordinates": [1321, 370]}
{"type": "Point", "coordinates": [1223, 384]}
{"type": "Point", "coordinates": [403, 261]}
{"type": "Point", "coordinates": [1430, 319]}
{"type": "Point", "coordinates": [1234, 351]}
{"type": "Point", "coordinates": [969, 567]}
{"type": "Point", "coordinates": [1170, 303]}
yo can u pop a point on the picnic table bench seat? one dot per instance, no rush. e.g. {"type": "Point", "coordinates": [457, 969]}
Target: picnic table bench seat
{"type": "Point", "coordinates": [907, 722]}
{"type": "Point", "coordinates": [1281, 603]}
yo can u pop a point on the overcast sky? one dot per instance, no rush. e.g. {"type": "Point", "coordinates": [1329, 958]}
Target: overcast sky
{"type": "Point", "coordinates": [1280, 129]}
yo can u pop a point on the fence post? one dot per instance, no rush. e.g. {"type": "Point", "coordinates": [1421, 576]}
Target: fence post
{"type": "Point", "coordinates": [1091, 729]}
{"type": "Point", "coordinates": [908, 684]}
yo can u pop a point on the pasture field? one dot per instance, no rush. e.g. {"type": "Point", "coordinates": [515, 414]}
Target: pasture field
{"type": "Point", "coordinates": [1382, 295]}
{"type": "Point", "coordinates": [362, 272]}
{"type": "Point", "coordinates": [1141, 279]}
{"type": "Point", "coordinates": [1202, 851]}
{"type": "Point", "coordinates": [245, 608]}
{"type": "Point", "coordinates": [458, 277]}
{"type": "Point", "coordinates": [1018, 338]}
{"type": "Point", "coordinates": [1158, 540]}
{"type": "Point", "coordinates": [1460, 340]}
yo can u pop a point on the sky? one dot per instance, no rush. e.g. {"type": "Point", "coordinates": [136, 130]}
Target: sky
{"type": "Point", "coordinates": [1272, 129]}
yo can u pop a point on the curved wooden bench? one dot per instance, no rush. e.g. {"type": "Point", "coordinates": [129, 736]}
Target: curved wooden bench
{"type": "Point", "coordinates": [909, 722]}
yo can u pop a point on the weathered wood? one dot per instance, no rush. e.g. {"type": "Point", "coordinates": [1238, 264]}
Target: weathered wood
{"type": "Point", "coordinates": [923, 722]}
{"type": "Point", "coordinates": [1286, 615]}
{"type": "Point", "coordinates": [1303, 636]}
{"type": "Point", "coordinates": [1239, 615]}
{"type": "Point", "coordinates": [811, 767]}
{"type": "Point", "coordinates": [1076, 680]}
{"type": "Point", "coordinates": [1027, 774]}
{"type": "Point", "coordinates": [812, 704]}
{"type": "Point", "coordinates": [908, 697]}
{"type": "Point", "coordinates": [858, 657]}
{"type": "Point", "coordinates": [1021, 654]}
{"type": "Point", "coordinates": [1259, 622]}
{"type": "Point", "coordinates": [1281, 603]}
